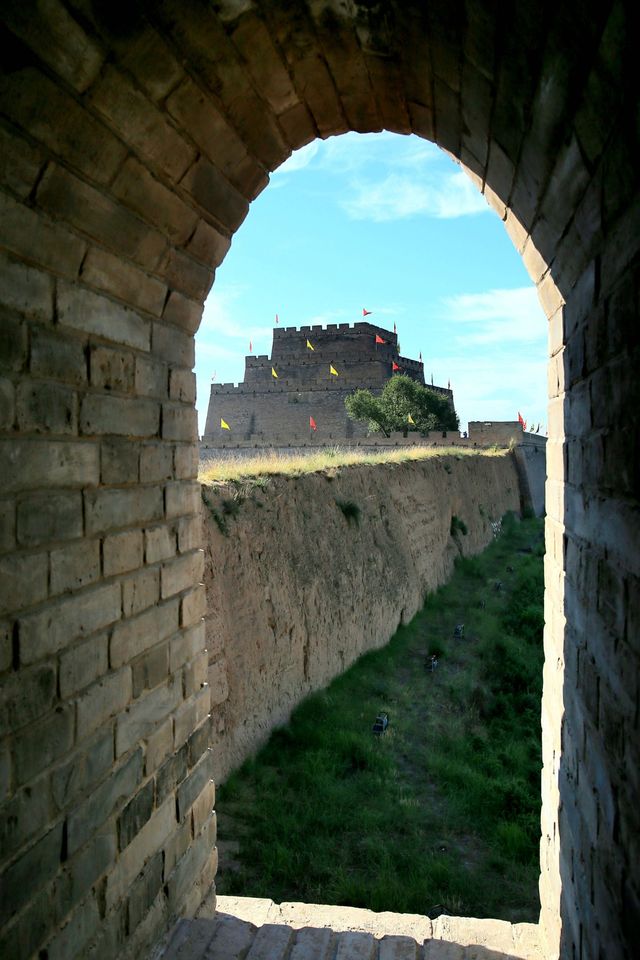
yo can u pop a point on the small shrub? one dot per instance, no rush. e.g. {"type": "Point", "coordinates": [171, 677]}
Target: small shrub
{"type": "Point", "coordinates": [458, 526]}
{"type": "Point", "coordinates": [350, 510]}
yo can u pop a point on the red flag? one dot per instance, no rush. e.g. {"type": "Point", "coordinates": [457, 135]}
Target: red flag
{"type": "Point", "coordinates": [520, 420]}
{"type": "Point", "coordinates": [365, 313]}
{"type": "Point", "coordinates": [277, 321]}
{"type": "Point", "coordinates": [312, 424]}
{"type": "Point", "coordinates": [250, 347]}
{"type": "Point", "coordinates": [394, 365]}
{"type": "Point", "coordinates": [379, 339]}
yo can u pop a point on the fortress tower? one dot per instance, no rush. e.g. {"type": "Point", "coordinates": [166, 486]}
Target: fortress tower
{"type": "Point", "coordinates": [267, 410]}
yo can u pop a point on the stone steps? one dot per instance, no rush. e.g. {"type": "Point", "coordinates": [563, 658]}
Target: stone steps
{"type": "Point", "coordinates": [246, 928]}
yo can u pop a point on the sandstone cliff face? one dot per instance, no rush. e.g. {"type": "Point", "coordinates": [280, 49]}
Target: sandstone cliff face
{"type": "Point", "coordinates": [308, 573]}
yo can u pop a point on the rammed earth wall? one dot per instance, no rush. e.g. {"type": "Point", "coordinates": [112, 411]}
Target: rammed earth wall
{"type": "Point", "coordinates": [297, 590]}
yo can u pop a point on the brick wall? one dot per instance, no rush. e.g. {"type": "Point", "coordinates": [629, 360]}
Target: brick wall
{"type": "Point", "coordinates": [132, 142]}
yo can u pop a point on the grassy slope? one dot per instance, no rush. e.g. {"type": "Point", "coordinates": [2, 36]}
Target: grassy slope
{"type": "Point", "coordinates": [439, 815]}
{"type": "Point", "coordinates": [270, 463]}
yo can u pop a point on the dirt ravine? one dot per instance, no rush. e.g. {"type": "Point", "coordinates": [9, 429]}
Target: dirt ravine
{"type": "Point", "coordinates": [305, 574]}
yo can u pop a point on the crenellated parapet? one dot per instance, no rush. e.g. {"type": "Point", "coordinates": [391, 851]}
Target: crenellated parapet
{"type": "Point", "coordinates": [310, 372]}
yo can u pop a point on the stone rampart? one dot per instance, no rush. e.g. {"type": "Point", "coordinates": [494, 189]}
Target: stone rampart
{"type": "Point", "coordinates": [296, 592]}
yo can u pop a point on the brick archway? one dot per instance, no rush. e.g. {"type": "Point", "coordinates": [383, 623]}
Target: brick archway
{"type": "Point", "coordinates": [133, 140]}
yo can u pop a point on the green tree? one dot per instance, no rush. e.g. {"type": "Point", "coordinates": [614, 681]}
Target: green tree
{"type": "Point", "coordinates": [401, 398]}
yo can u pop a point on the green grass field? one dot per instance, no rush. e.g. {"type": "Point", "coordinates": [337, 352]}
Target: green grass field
{"type": "Point", "coordinates": [441, 813]}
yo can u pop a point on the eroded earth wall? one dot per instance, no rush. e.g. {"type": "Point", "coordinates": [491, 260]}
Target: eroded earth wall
{"type": "Point", "coordinates": [305, 574]}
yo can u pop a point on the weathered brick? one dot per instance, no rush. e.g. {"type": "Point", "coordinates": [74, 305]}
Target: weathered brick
{"type": "Point", "coordinates": [13, 341]}
{"type": "Point", "coordinates": [90, 312]}
{"type": "Point", "coordinates": [176, 846]}
{"type": "Point", "coordinates": [59, 41]}
{"type": "Point", "coordinates": [96, 214]}
{"type": "Point", "coordinates": [144, 892]}
{"type": "Point", "coordinates": [140, 591]}
{"type": "Point", "coordinates": [183, 273]}
{"type": "Point", "coordinates": [57, 358]}
{"type": "Point", "coordinates": [179, 422]}
{"type": "Point", "coordinates": [191, 788]}
{"type": "Point", "coordinates": [195, 678]}
{"type": "Point", "coordinates": [152, 378]}
{"type": "Point", "coordinates": [20, 163]}
{"type": "Point", "coordinates": [7, 404]}
{"type": "Point", "coordinates": [91, 862]}
{"type": "Point", "coordinates": [122, 552]}
{"type": "Point", "coordinates": [131, 417]}
{"type": "Point", "coordinates": [173, 345]}
{"type": "Point", "coordinates": [159, 746]}
{"type": "Point", "coordinates": [190, 533]}
{"type": "Point", "coordinates": [132, 637]}
{"type": "Point", "coordinates": [141, 125]}
{"type": "Point", "coordinates": [156, 462]}
{"type": "Point", "coordinates": [112, 369]}
{"type": "Point", "coordinates": [109, 509]}
{"type": "Point", "coordinates": [43, 518]}
{"type": "Point", "coordinates": [135, 814]}
{"type": "Point", "coordinates": [26, 290]}
{"type": "Point", "coordinates": [182, 498]}
{"type": "Point", "coordinates": [50, 115]}
{"type": "Point", "coordinates": [120, 461]}
{"type": "Point", "coordinates": [160, 544]}
{"type": "Point", "coordinates": [106, 698]}
{"type": "Point", "coordinates": [77, 932]}
{"type": "Point", "coordinates": [183, 312]}
{"type": "Point", "coordinates": [152, 201]}
{"type": "Point", "coordinates": [182, 386]}
{"type": "Point", "coordinates": [181, 573]}
{"type": "Point", "coordinates": [208, 245]}
{"type": "Point", "coordinates": [24, 816]}
{"type": "Point", "coordinates": [27, 233]}
{"type": "Point", "coordinates": [6, 646]}
{"type": "Point", "coordinates": [186, 645]}
{"type": "Point", "coordinates": [186, 461]}
{"type": "Point", "coordinates": [85, 818]}
{"type": "Point", "coordinates": [83, 770]}
{"type": "Point", "coordinates": [190, 716]}
{"type": "Point", "coordinates": [189, 868]}
{"type": "Point", "coordinates": [193, 607]}
{"type": "Point", "coordinates": [150, 669]}
{"type": "Point", "coordinates": [148, 841]}
{"type": "Point", "coordinates": [46, 408]}
{"type": "Point", "coordinates": [23, 581]}
{"type": "Point", "coordinates": [37, 747]}
{"type": "Point", "coordinates": [111, 273]}
{"type": "Point", "coordinates": [27, 695]}
{"type": "Point", "coordinates": [31, 871]}
{"type": "Point", "coordinates": [214, 194]}
{"type": "Point", "coordinates": [68, 619]}
{"type": "Point", "coordinates": [146, 714]}
{"type": "Point", "coordinates": [75, 565]}
{"type": "Point", "coordinates": [83, 664]}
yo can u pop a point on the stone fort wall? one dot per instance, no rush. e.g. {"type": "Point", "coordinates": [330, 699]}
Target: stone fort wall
{"type": "Point", "coordinates": [263, 408]}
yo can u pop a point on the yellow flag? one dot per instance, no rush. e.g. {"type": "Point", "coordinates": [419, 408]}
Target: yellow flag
{"type": "Point", "coordinates": [410, 419]}
{"type": "Point", "coordinates": [333, 370]}
{"type": "Point", "coordinates": [310, 346]}
{"type": "Point", "coordinates": [273, 373]}
{"type": "Point", "coordinates": [224, 425]}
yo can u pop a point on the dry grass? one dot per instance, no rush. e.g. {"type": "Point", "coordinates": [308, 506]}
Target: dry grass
{"type": "Point", "coordinates": [272, 463]}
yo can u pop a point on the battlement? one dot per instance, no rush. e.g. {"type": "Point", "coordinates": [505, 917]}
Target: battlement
{"type": "Point", "coordinates": [281, 407]}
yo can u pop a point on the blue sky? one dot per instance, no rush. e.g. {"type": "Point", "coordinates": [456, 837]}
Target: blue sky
{"type": "Point", "coordinates": [392, 224]}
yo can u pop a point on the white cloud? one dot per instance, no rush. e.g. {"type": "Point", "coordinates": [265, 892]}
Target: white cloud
{"type": "Point", "coordinates": [217, 317]}
{"type": "Point", "coordinates": [400, 196]}
{"type": "Point", "coordinates": [498, 316]}
{"type": "Point", "coordinates": [299, 159]}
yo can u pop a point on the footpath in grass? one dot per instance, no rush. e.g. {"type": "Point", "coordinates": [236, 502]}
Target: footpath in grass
{"type": "Point", "coordinates": [441, 813]}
